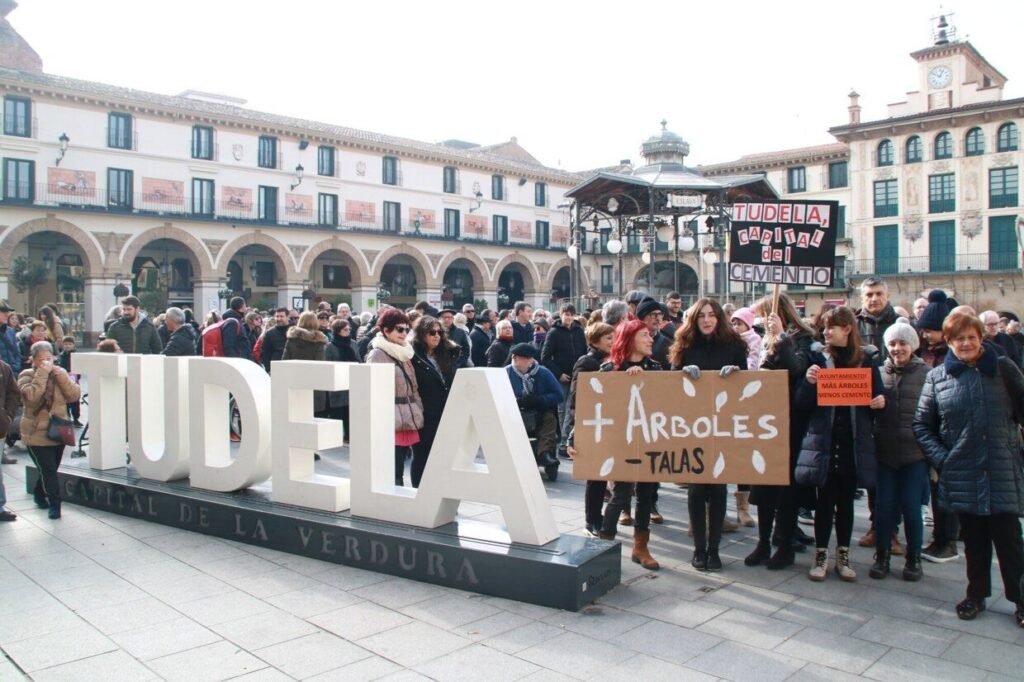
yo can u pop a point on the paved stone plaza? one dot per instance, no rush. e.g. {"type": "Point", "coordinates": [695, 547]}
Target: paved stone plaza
{"type": "Point", "coordinates": [96, 596]}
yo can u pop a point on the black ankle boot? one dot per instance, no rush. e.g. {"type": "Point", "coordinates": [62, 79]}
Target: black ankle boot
{"type": "Point", "coordinates": [54, 511]}
{"type": "Point", "coordinates": [783, 558]}
{"type": "Point", "coordinates": [41, 501]}
{"type": "Point", "coordinates": [880, 569]}
{"type": "Point", "coordinates": [912, 571]}
{"type": "Point", "coordinates": [761, 553]}
{"type": "Point", "coordinates": [699, 560]}
{"type": "Point", "coordinates": [714, 561]}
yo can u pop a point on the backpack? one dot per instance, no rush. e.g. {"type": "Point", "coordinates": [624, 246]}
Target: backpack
{"type": "Point", "coordinates": [257, 349]}
{"type": "Point", "coordinates": [213, 339]}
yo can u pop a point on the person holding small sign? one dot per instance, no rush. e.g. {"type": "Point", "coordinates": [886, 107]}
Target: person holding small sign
{"type": "Point", "coordinates": [837, 453]}
{"type": "Point", "coordinates": [631, 353]}
{"type": "Point", "coordinates": [707, 342]}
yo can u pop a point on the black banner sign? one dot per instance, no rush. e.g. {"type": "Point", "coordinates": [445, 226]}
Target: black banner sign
{"type": "Point", "coordinates": [784, 242]}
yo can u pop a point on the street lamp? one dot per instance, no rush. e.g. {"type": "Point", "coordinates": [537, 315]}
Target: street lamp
{"type": "Point", "coordinates": [48, 262]}
{"type": "Point", "coordinates": [253, 271]}
{"type": "Point", "coordinates": [614, 246]}
{"type": "Point", "coordinates": [298, 176]}
{"type": "Point", "coordinates": [63, 140]}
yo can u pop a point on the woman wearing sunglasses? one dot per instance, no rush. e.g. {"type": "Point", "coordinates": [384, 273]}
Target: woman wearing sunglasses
{"type": "Point", "coordinates": [435, 362]}
{"type": "Point", "coordinates": [392, 346]}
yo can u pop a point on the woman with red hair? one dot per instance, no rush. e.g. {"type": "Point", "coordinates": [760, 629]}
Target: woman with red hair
{"type": "Point", "coordinates": [631, 353]}
{"type": "Point", "coordinates": [707, 342]}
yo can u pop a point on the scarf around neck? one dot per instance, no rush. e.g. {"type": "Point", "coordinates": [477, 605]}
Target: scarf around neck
{"type": "Point", "coordinates": [527, 377]}
{"type": "Point", "coordinates": [398, 353]}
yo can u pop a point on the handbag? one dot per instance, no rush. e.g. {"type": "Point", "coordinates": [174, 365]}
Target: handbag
{"type": "Point", "coordinates": [59, 429]}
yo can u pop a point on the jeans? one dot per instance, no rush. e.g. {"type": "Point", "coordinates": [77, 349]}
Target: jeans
{"type": "Point", "coordinates": [563, 415]}
{"type": "Point", "coordinates": [706, 503]}
{"type": "Point", "coordinates": [980, 534]}
{"type": "Point", "coordinates": [835, 499]}
{"type": "Point", "coordinates": [901, 491]}
{"type": "Point", "coordinates": [47, 459]}
{"type": "Point", "coordinates": [622, 494]}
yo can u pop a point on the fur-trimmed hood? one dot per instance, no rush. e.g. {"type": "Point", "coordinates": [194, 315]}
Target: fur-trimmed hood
{"type": "Point", "coordinates": [307, 335]}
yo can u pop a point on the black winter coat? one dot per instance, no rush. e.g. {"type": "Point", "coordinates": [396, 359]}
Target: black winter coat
{"type": "Point", "coordinates": [965, 426]}
{"type": "Point", "coordinates": [563, 347]}
{"type": "Point", "coordinates": [895, 442]}
{"type": "Point", "coordinates": [522, 333]}
{"type": "Point", "coordinates": [872, 328]}
{"type": "Point", "coordinates": [235, 337]}
{"type": "Point", "coordinates": [142, 338]}
{"type": "Point", "coordinates": [460, 337]}
{"type": "Point", "coordinates": [591, 362]}
{"type": "Point", "coordinates": [181, 343]}
{"type": "Point", "coordinates": [815, 457]}
{"type": "Point", "coordinates": [480, 341]}
{"type": "Point", "coordinates": [433, 387]}
{"type": "Point", "coordinates": [273, 345]}
{"type": "Point", "coordinates": [499, 354]}
{"type": "Point", "coordinates": [709, 356]}
{"type": "Point", "coordinates": [340, 349]}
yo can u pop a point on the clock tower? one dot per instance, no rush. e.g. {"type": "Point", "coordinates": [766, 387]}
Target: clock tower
{"type": "Point", "coordinates": [951, 73]}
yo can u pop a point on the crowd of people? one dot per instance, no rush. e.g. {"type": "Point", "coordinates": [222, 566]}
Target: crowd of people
{"type": "Point", "coordinates": [942, 427]}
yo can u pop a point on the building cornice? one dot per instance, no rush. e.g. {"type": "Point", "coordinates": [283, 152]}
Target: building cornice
{"type": "Point", "coordinates": [922, 121]}
{"type": "Point", "coordinates": [772, 160]}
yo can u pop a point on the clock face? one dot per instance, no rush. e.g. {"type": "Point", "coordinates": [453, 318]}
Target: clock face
{"type": "Point", "coordinates": [940, 76]}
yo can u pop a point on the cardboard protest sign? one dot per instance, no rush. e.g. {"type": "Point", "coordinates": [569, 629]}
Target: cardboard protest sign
{"type": "Point", "coordinates": [664, 426]}
{"type": "Point", "coordinates": [787, 242]}
{"type": "Point", "coordinates": [844, 387]}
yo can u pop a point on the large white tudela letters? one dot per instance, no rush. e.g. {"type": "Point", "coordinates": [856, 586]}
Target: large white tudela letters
{"type": "Point", "coordinates": [481, 413]}
{"type": "Point", "coordinates": [158, 416]}
{"type": "Point", "coordinates": [210, 381]}
{"type": "Point", "coordinates": [297, 434]}
{"type": "Point", "coordinates": [105, 374]}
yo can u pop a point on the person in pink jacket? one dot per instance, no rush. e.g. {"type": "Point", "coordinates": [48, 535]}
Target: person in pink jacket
{"type": "Point", "coordinates": [743, 323]}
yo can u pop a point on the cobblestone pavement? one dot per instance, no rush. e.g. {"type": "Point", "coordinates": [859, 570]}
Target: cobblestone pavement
{"type": "Point", "coordinates": [96, 596]}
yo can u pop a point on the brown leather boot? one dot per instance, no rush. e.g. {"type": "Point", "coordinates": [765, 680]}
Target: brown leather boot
{"type": "Point", "coordinates": [868, 540]}
{"type": "Point", "coordinates": [729, 526]}
{"type": "Point", "coordinates": [605, 536]}
{"type": "Point", "coordinates": [897, 548]}
{"type": "Point", "coordinates": [626, 518]}
{"type": "Point", "coordinates": [743, 509]}
{"type": "Point", "coordinates": [641, 555]}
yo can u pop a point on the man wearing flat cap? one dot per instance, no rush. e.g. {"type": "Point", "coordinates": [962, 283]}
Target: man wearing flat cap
{"type": "Point", "coordinates": [538, 394]}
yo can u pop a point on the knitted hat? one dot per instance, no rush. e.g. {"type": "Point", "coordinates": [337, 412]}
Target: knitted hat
{"type": "Point", "coordinates": [525, 350]}
{"type": "Point", "coordinates": [746, 315]}
{"type": "Point", "coordinates": [646, 306]}
{"type": "Point", "coordinates": [936, 311]}
{"type": "Point", "coordinates": [902, 331]}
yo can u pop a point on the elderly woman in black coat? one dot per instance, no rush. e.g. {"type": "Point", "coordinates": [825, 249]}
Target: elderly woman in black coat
{"type": "Point", "coordinates": [435, 362]}
{"type": "Point", "coordinates": [966, 423]}
{"type": "Point", "coordinates": [342, 348]}
{"type": "Point", "coordinates": [902, 468]}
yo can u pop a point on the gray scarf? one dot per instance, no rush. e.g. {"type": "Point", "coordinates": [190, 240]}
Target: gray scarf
{"type": "Point", "coordinates": [527, 377]}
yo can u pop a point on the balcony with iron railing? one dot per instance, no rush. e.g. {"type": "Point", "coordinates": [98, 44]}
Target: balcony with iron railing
{"type": "Point", "coordinates": [67, 196]}
{"type": "Point", "coordinates": [939, 264]}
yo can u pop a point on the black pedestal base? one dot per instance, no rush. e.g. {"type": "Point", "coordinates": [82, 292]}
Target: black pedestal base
{"type": "Point", "coordinates": [567, 573]}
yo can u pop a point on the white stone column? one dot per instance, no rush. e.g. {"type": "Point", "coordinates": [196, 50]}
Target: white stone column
{"type": "Point", "coordinates": [205, 298]}
{"type": "Point", "coordinates": [99, 298]}
{"type": "Point", "coordinates": [5, 286]}
{"type": "Point", "coordinates": [489, 295]}
{"type": "Point", "coordinates": [429, 294]}
{"type": "Point", "coordinates": [286, 292]}
{"type": "Point", "coordinates": [362, 297]}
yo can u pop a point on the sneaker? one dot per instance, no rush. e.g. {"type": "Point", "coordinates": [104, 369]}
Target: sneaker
{"type": "Point", "coordinates": [7, 516]}
{"type": "Point", "coordinates": [843, 569]}
{"type": "Point", "coordinates": [805, 517]}
{"type": "Point", "coordinates": [761, 554]}
{"type": "Point", "coordinates": [625, 518]}
{"type": "Point", "coordinates": [912, 570]}
{"type": "Point", "coordinates": [801, 537]}
{"type": "Point", "coordinates": [656, 516]}
{"type": "Point", "coordinates": [926, 514]}
{"type": "Point", "coordinates": [969, 609]}
{"type": "Point", "coordinates": [940, 554]}
{"type": "Point", "coordinates": [780, 560]}
{"type": "Point", "coordinates": [820, 568]}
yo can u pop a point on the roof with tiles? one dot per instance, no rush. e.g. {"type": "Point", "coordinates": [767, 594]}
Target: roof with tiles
{"type": "Point", "coordinates": [765, 160]}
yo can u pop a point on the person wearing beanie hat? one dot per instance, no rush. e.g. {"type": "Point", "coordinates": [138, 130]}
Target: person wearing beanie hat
{"type": "Point", "coordinates": [929, 324]}
{"type": "Point", "coordinates": [652, 314]}
{"type": "Point", "coordinates": [902, 467]}
{"type": "Point", "coordinates": [538, 393]}
{"type": "Point", "coordinates": [743, 323]}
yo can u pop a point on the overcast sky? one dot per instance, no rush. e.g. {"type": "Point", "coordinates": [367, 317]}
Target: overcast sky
{"type": "Point", "coordinates": [581, 84]}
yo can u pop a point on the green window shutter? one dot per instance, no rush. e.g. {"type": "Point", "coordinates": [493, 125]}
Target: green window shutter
{"type": "Point", "coordinates": [1002, 243]}
{"type": "Point", "coordinates": [886, 249]}
{"type": "Point", "coordinates": [942, 246]}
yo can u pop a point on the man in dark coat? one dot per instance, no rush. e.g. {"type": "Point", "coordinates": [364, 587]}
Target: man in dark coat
{"type": "Point", "coordinates": [274, 339]}
{"type": "Point", "coordinates": [990, 319]}
{"type": "Point", "coordinates": [522, 327]}
{"type": "Point", "coordinates": [564, 344]}
{"type": "Point", "coordinates": [480, 340]}
{"type": "Point", "coordinates": [134, 332]}
{"type": "Point", "coordinates": [537, 392]}
{"type": "Point", "coordinates": [876, 313]}
{"type": "Point", "coordinates": [459, 336]}
{"type": "Point", "coordinates": [9, 350]}
{"type": "Point", "coordinates": [182, 339]}
{"type": "Point", "coordinates": [235, 336]}
{"type": "Point", "coordinates": [652, 314]}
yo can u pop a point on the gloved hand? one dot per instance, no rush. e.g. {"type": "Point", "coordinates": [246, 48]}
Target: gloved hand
{"type": "Point", "coordinates": [531, 402]}
{"type": "Point", "coordinates": [693, 371]}
{"type": "Point", "coordinates": [727, 370]}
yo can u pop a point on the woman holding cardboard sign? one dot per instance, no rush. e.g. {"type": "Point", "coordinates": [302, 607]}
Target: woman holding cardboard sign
{"type": "Point", "coordinates": [837, 453]}
{"type": "Point", "coordinates": [707, 342]}
{"type": "Point", "coordinates": [631, 353]}
{"type": "Point", "coordinates": [965, 425]}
